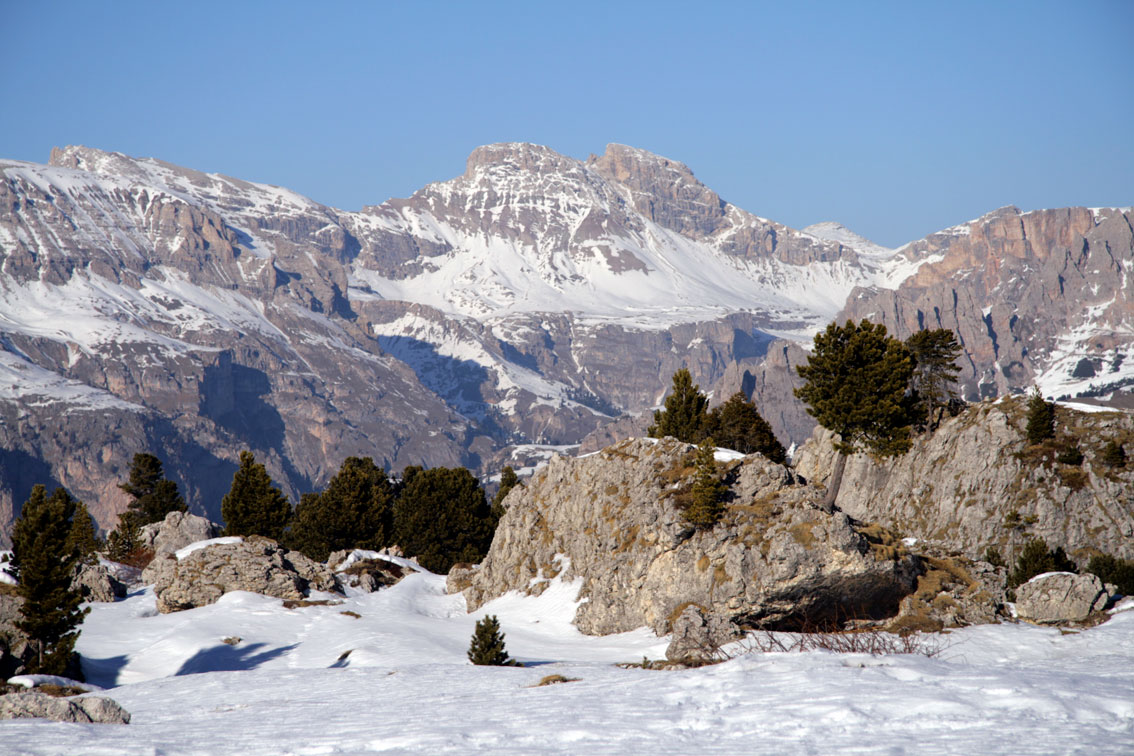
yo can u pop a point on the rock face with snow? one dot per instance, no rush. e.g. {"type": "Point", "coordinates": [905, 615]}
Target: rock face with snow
{"type": "Point", "coordinates": [176, 531]}
{"type": "Point", "coordinates": [83, 710]}
{"type": "Point", "coordinates": [974, 483]}
{"type": "Point", "coordinates": [1060, 597]}
{"type": "Point", "coordinates": [1034, 297]}
{"type": "Point", "coordinates": [612, 520]}
{"type": "Point", "coordinates": [256, 564]}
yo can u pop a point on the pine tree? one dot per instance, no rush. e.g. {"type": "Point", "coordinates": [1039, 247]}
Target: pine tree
{"type": "Point", "coordinates": [1041, 418]}
{"type": "Point", "coordinates": [739, 426]}
{"type": "Point", "coordinates": [706, 497]}
{"type": "Point", "coordinates": [82, 537]}
{"type": "Point", "coordinates": [45, 558]}
{"type": "Point", "coordinates": [855, 383]}
{"type": "Point", "coordinates": [508, 481]}
{"type": "Point", "coordinates": [355, 511]}
{"type": "Point", "coordinates": [487, 645]}
{"type": "Point", "coordinates": [153, 495]}
{"type": "Point", "coordinates": [1113, 455]}
{"type": "Point", "coordinates": [934, 353]}
{"type": "Point", "coordinates": [442, 517]}
{"type": "Point", "coordinates": [253, 506]}
{"type": "Point", "coordinates": [1036, 559]}
{"type": "Point", "coordinates": [685, 413]}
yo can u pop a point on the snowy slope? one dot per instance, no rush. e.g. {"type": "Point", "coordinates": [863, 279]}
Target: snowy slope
{"type": "Point", "coordinates": [289, 686]}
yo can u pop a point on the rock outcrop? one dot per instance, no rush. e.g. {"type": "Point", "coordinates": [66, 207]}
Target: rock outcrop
{"type": "Point", "coordinates": [176, 531]}
{"type": "Point", "coordinates": [698, 636]}
{"type": "Point", "coordinates": [975, 483]}
{"type": "Point", "coordinates": [612, 520]}
{"type": "Point", "coordinates": [15, 651]}
{"type": "Point", "coordinates": [95, 583]}
{"type": "Point", "coordinates": [256, 564]}
{"type": "Point", "coordinates": [1060, 597]}
{"type": "Point", "coordinates": [83, 710]}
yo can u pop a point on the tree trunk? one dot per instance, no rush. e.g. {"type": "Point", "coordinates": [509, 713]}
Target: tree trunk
{"type": "Point", "coordinates": [835, 482]}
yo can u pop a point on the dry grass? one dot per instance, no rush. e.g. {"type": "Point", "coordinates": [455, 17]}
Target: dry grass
{"type": "Point", "coordinates": [349, 613]}
{"type": "Point", "coordinates": [554, 680]}
{"type": "Point", "coordinates": [232, 640]}
{"type": "Point", "coordinates": [301, 603]}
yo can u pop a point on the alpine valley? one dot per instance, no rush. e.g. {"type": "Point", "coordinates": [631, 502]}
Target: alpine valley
{"type": "Point", "coordinates": [533, 304]}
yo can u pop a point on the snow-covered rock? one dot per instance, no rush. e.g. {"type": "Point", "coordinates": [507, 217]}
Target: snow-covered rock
{"type": "Point", "coordinates": [177, 530]}
{"type": "Point", "coordinates": [254, 564]}
{"type": "Point", "coordinates": [1060, 597]}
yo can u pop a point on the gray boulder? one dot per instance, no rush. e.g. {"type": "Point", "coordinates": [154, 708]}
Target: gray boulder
{"type": "Point", "coordinates": [86, 709]}
{"type": "Point", "coordinates": [96, 583]}
{"type": "Point", "coordinates": [1060, 597]}
{"type": "Point", "coordinates": [176, 531]}
{"type": "Point", "coordinates": [698, 636]}
{"type": "Point", "coordinates": [256, 564]}
{"type": "Point", "coordinates": [612, 520]}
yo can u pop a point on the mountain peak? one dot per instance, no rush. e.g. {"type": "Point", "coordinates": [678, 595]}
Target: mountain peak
{"type": "Point", "coordinates": [518, 156]}
{"type": "Point", "coordinates": [836, 232]}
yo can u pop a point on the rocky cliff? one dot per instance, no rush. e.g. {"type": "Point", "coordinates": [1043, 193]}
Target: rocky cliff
{"type": "Point", "coordinates": [612, 520]}
{"type": "Point", "coordinates": [975, 483]}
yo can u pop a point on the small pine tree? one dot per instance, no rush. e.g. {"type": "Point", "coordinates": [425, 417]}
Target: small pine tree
{"type": "Point", "coordinates": [738, 425]}
{"type": "Point", "coordinates": [1041, 418]}
{"type": "Point", "coordinates": [124, 541]}
{"type": "Point", "coordinates": [442, 517]}
{"type": "Point", "coordinates": [355, 511]}
{"type": "Point", "coordinates": [153, 495]}
{"type": "Point", "coordinates": [934, 353]}
{"type": "Point", "coordinates": [705, 499]}
{"type": "Point", "coordinates": [508, 481]}
{"type": "Point", "coordinates": [83, 538]}
{"type": "Point", "coordinates": [1111, 569]}
{"type": "Point", "coordinates": [685, 412]}
{"type": "Point", "coordinates": [44, 557]}
{"type": "Point", "coordinates": [487, 645]}
{"type": "Point", "coordinates": [1036, 559]}
{"type": "Point", "coordinates": [253, 506]}
{"type": "Point", "coordinates": [1113, 454]}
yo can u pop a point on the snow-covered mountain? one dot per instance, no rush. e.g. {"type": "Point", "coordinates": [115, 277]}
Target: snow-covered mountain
{"type": "Point", "coordinates": [522, 305]}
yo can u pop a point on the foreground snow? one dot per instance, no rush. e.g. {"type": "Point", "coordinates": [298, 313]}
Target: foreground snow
{"type": "Point", "coordinates": [290, 687]}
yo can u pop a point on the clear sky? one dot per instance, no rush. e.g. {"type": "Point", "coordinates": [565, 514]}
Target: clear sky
{"type": "Point", "coordinates": [896, 119]}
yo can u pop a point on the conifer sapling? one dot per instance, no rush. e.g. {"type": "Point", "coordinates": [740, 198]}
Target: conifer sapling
{"type": "Point", "coordinates": [487, 645]}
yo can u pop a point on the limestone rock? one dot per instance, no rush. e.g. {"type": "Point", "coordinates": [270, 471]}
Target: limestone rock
{"type": "Point", "coordinates": [611, 520]}
{"type": "Point", "coordinates": [256, 564]}
{"type": "Point", "coordinates": [176, 531]}
{"type": "Point", "coordinates": [460, 577]}
{"type": "Point", "coordinates": [698, 636]}
{"type": "Point", "coordinates": [96, 583]}
{"type": "Point", "coordinates": [1060, 597]}
{"type": "Point", "coordinates": [14, 649]}
{"type": "Point", "coordinates": [971, 484]}
{"type": "Point", "coordinates": [86, 709]}
{"type": "Point", "coordinates": [369, 575]}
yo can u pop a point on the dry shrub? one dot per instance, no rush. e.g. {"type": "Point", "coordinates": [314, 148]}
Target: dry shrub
{"type": "Point", "coordinates": [232, 640]}
{"type": "Point", "coordinates": [873, 642]}
{"type": "Point", "coordinates": [139, 558]}
{"type": "Point", "coordinates": [300, 603]}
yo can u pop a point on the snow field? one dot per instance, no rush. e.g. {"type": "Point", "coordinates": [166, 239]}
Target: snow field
{"type": "Point", "coordinates": [290, 687]}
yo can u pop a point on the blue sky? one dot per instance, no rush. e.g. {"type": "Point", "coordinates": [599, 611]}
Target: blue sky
{"type": "Point", "coordinates": [897, 119]}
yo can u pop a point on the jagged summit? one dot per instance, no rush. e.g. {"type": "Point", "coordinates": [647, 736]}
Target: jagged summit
{"type": "Point", "coordinates": [836, 232]}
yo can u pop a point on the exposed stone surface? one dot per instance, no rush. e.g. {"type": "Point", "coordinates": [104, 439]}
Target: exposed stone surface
{"type": "Point", "coordinates": [14, 649]}
{"type": "Point", "coordinates": [698, 637]}
{"type": "Point", "coordinates": [1060, 597]}
{"type": "Point", "coordinates": [177, 530]}
{"type": "Point", "coordinates": [85, 709]}
{"type": "Point", "coordinates": [959, 487]}
{"type": "Point", "coordinates": [460, 577]}
{"type": "Point", "coordinates": [372, 574]}
{"type": "Point", "coordinates": [256, 564]}
{"type": "Point", "coordinates": [96, 583]}
{"type": "Point", "coordinates": [611, 519]}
